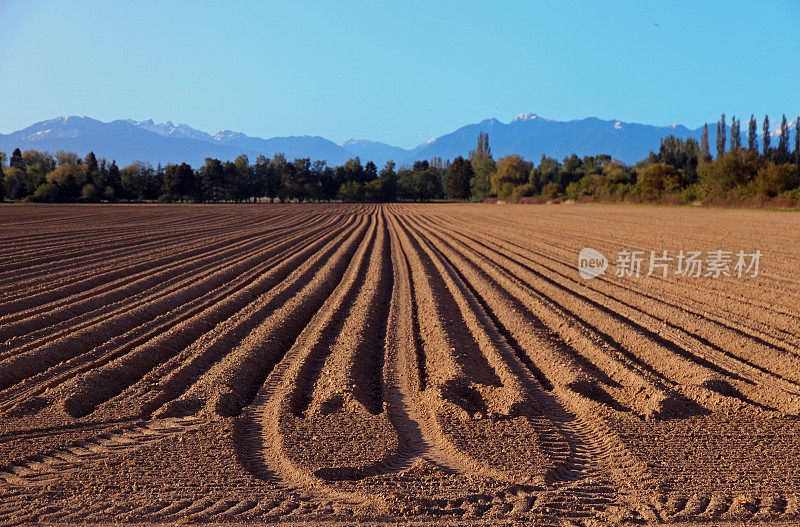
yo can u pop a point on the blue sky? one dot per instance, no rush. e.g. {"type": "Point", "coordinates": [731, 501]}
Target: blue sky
{"type": "Point", "coordinates": [400, 72]}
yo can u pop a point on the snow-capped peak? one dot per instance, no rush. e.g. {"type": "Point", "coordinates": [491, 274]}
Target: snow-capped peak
{"type": "Point", "coordinates": [525, 117]}
{"type": "Point", "coordinates": [63, 126]}
{"type": "Point", "coordinates": [169, 129]}
{"type": "Point", "coordinates": [227, 135]}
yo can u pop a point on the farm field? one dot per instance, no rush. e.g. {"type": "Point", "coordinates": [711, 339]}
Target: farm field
{"type": "Point", "coordinates": [419, 362]}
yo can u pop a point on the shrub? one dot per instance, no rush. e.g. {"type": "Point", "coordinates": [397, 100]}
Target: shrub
{"type": "Point", "coordinates": [551, 190]}
{"type": "Point", "coordinates": [506, 190]}
{"type": "Point", "coordinates": [690, 194]}
{"type": "Point", "coordinates": [47, 193]}
{"type": "Point", "coordinates": [773, 179]}
{"type": "Point", "coordinates": [734, 169]}
{"type": "Point", "coordinates": [524, 191]}
{"type": "Point", "coordinates": [15, 184]}
{"type": "Point", "coordinates": [512, 170]}
{"type": "Point", "coordinates": [351, 191]}
{"type": "Point", "coordinates": [90, 193]}
{"type": "Point", "coordinates": [658, 178]}
{"type": "Point", "coordinates": [373, 190]}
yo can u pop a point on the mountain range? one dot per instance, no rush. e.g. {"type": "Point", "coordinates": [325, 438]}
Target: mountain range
{"type": "Point", "coordinates": [528, 135]}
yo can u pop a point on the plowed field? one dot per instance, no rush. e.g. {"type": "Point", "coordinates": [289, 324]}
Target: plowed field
{"type": "Point", "coordinates": [365, 363]}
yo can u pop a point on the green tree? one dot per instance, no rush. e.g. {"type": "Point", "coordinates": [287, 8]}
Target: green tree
{"type": "Point", "coordinates": [67, 158]}
{"type": "Point", "coordinates": [301, 176]}
{"type": "Point", "coordinates": [139, 182]}
{"type": "Point", "coordinates": [316, 186]}
{"type": "Point", "coordinates": [351, 191]}
{"type": "Point", "coordinates": [683, 155]}
{"type": "Point", "coordinates": [328, 183]}
{"type": "Point", "coordinates": [270, 173]}
{"type": "Point", "coordinates": [752, 135]}
{"type": "Point", "coordinates": [230, 190]}
{"type": "Point", "coordinates": [352, 170]}
{"type": "Point", "coordinates": [511, 170]}
{"type": "Point", "coordinates": [90, 193]}
{"type": "Point", "coordinates": [547, 172]}
{"type": "Point", "coordinates": [113, 179]}
{"type": "Point", "coordinates": [551, 190]}
{"type": "Point", "coordinates": [388, 179]}
{"type": "Point", "coordinates": [782, 153]}
{"type": "Point", "coordinates": [736, 141]}
{"type": "Point", "coordinates": [213, 179]}
{"type": "Point", "coordinates": [483, 166]}
{"type": "Point", "coordinates": [571, 170]}
{"type": "Point", "coordinates": [766, 139]}
{"type": "Point", "coordinates": [16, 160]}
{"type": "Point", "coordinates": [705, 152]}
{"type": "Point", "coordinates": [243, 180]}
{"type": "Point", "coordinates": [370, 172]}
{"type": "Point", "coordinates": [15, 183]}
{"type": "Point", "coordinates": [47, 193]}
{"type": "Point", "coordinates": [92, 168]}
{"type": "Point", "coordinates": [405, 184]}
{"type": "Point", "coordinates": [185, 180]}
{"type": "Point", "coordinates": [427, 184]}
{"type": "Point", "coordinates": [373, 190]}
{"type": "Point", "coordinates": [36, 166]}
{"type": "Point", "coordinates": [797, 142]}
{"type": "Point", "coordinates": [732, 170]}
{"type": "Point", "coordinates": [658, 178]}
{"type": "Point", "coordinates": [773, 178]}
{"type": "Point", "coordinates": [178, 181]}
{"type": "Point", "coordinates": [288, 189]}
{"type": "Point", "coordinates": [458, 179]}
{"type": "Point", "coordinates": [279, 167]}
{"type": "Point", "coordinates": [483, 149]}
{"type": "Point", "coordinates": [721, 132]}
{"type": "Point", "coordinates": [171, 183]}
{"type": "Point", "coordinates": [70, 180]}
{"type": "Point", "coordinates": [480, 184]}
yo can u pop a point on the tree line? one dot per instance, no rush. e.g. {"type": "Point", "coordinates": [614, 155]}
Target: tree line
{"type": "Point", "coordinates": [757, 171]}
{"type": "Point", "coordinates": [680, 171]}
{"type": "Point", "coordinates": [65, 177]}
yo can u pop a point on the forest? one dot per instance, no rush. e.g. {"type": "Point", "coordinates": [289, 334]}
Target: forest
{"type": "Point", "coordinates": [761, 169]}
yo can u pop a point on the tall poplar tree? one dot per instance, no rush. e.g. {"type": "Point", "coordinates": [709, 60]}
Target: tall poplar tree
{"type": "Point", "coordinates": [705, 152]}
{"type": "Point", "coordinates": [766, 138]}
{"type": "Point", "coordinates": [721, 137]}
{"type": "Point", "coordinates": [483, 166]}
{"type": "Point", "coordinates": [797, 142]}
{"type": "Point", "coordinates": [752, 136]}
{"type": "Point", "coordinates": [736, 142]}
{"type": "Point", "coordinates": [783, 141]}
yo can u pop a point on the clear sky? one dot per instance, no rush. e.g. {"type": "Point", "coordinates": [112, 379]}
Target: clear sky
{"type": "Point", "coordinates": [400, 72]}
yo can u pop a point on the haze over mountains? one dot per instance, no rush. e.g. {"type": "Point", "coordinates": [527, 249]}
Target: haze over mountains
{"type": "Point", "coordinates": [528, 135]}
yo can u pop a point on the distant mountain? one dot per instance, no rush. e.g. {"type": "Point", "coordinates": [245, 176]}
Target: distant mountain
{"type": "Point", "coordinates": [170, 130]}
{"type": "Point", "coordinates": [119, 140]}
{"type": "Point", "coordinates": [379, 153]}
{"type": "Point", "coordinates": [531, 136]}
{"type": "Point", "coordinates": [292, 147]}
{"type": "Point", "coordinates": [528, 135]}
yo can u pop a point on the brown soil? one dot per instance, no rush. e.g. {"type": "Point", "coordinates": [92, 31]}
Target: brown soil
{"type": "Point", "coordinates": [420, 363]}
